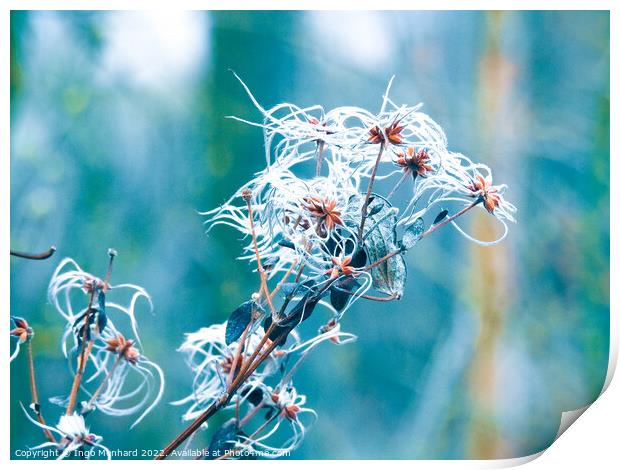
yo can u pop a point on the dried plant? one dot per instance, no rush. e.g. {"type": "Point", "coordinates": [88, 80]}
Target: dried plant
{"type": "Point", "coordinates": [320, 231]}
{"type": "Point", "coordinates": [109, 372]}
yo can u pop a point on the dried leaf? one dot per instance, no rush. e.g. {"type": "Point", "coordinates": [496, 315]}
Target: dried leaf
{"type": "Point", "coordinates": [442, 215]}
{"type": "Point", "coordinates": [375, 209]}
{"type": "Point", "coordinates": [338, 298]}
{"type": "Point", "coordinates": [238, 321]}
{"type": "Point", "coordinates": [290, 289]}
{"type": "Point", "coordinates": [224, 439]}
{"type": "Point", "coordinates": [380, 240]}
{"type": "Point", "coordinates": [412, 234]}
{"type": "Point", "coordinates": [253, 394]}
{"type": "Point", "coordinates": [300, 312]}
{"type": "Point", "coordinates": [102, 318]}
{"type": "Point", "coordinates": [359, 259]}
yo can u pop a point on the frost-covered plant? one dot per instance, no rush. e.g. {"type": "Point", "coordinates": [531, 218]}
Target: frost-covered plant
{"type": "Point", "coordinates": [109, 372]}
{"type": "Point", "coordinates": [321, 230]}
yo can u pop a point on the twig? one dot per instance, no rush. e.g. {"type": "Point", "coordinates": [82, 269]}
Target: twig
{"type": "Point", "coordinates": [381, 260]}
{"type": "Point", "coordinates": [261, 270]}
{"type": "Point", "coordinates": [251, 365]}
{"type": "Point", "coordinates": [450, 219]}
{"type": "Point", "coordinates": [237, 357]}
{"type": "Point", "coordinates": [34, 256]}
{"type": "Point", "coordinates": [368, 297]}
{"type": "Point", "coordinates": [250, 414]}
{"type": "Point", "coordinates": [220, 402]}
{"type": "Point", "coordinates": [283, 280]}
{"type": "Point", "coordinates": [369, 191]}
{"type": "Point", "coordinates": [82, 358]}
{"type": "Point", "coordinates": [35, 394]}
{"type": "Point", "coordinates": [104, 382]}
{"type": "Point", "coordinates": [400, 181]}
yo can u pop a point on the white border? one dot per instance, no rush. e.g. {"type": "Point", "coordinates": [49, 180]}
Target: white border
{"type": "Point", "coordinates": [592, 442]}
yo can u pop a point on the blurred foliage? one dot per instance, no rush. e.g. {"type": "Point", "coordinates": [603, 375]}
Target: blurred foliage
{"type": "Point", "coordinates": [119, 137]}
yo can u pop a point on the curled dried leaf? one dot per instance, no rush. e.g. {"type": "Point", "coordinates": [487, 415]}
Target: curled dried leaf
{"type": "Point", "coordinates": [239, 320]}
{"type": "Point", "coordinates": [412, 234]}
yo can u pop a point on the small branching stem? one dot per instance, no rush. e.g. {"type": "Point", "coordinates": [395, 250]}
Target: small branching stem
{"type": "Point", "coordinates": [264, 289]}
{"type": "Point", "coordinates": [104, 382]}
{"type": "Point", "coordinates": [367, 296]}
{"type": "Point", "coordinates": [237, 359]}
{"type": "Point", "coordinates": [224, 399]}
{"type": "Point", "coordinates": [255, 360]}
{"type": "Point", "coordinates": [250, 414]}
{"type": "Point", "coordinates": [371, 181]}
{"type": "Point", "coordinates": [402, 179]}
{"type": "Point", "coordinates": [432, 229]}
{"type": "Point", "coordinates": [259, 430]}
{"type": "Point", "coordinates": [283, 280]}
{"type": "Point", "coordinates": [381, 260]}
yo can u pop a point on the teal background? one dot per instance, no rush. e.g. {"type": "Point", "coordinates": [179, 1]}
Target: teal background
{"type": "Point", "coordinates": [119, 137]}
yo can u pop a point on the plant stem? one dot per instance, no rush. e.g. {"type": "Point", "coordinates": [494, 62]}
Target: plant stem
{"type": "Point", "coordinates": [222, 401]}
{"type": "Point", "coordinates": [406, 173]}
{"type": "Point", "coordinates": [258, 348]}
{"type": "Point", "coordinates": [428, 232]}
{"type": "Point", "coordinates": [35, 394]}
{"type": "Point", "coordinates": [264, 289]}
{"type": "Point", "coordinates": [82, 358]}
{"type": "Point", "coordinates": [450, 219]}
{"type": "Point", "coordinates": [34, 256]}
{"type": "Point", "coordinates": [260, 429]}
{"type": "Point", "coordinates": [368, 297]}
{"type": "Point", "coordinates": [106, 283]}
{"type": "Point", "coordinates": [104, 382]}
{"type": "Point", "coordinates": [369, 191]}
{"type": "Point", "coordinates": [248, 369]}
{"type": "Point", "coordinates": [250, 414]}
{"type": "Point", "coordinates": [283, 280]}
{"type": "Point", "coordinates": [381, 260]}
{"type": "Point", "coordinates": [238, 354]}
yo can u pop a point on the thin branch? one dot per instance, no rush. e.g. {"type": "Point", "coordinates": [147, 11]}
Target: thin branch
{"type": "Point", "coordinates": [261, 270]}
{"type": "Point", "coordinates": [34, 256]}
{"type": "Point", "coordinates": [360, 233]}
{"type": "Point", "coordinates": [251, 365]}
{"type": "Point", "coordinates": [368, 297]}
{"type": "Point", "coordinates": [381, 260]}
{"type": "Point", "coordinates": [250, 414]}
{"type": "Point", "coordinates": [283, 280]}
{"type": "Point", "coordinates": [450, 219]}
{"type": "Point", "coordinates": [238, 354]}
{"type": "Point", "coordinates": [220, 402]}
{"type": "Point", "coordinates": [35, 394]}
{"type": "Point", "coordinates": [406, 173]}
{"type": "Point", "coordinates": [104, 382]}
{"type": "Point", "coordinates": [83, 356]}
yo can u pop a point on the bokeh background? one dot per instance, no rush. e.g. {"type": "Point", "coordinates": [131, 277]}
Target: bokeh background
{"type": "Point", "coordinates": [119, 137]}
